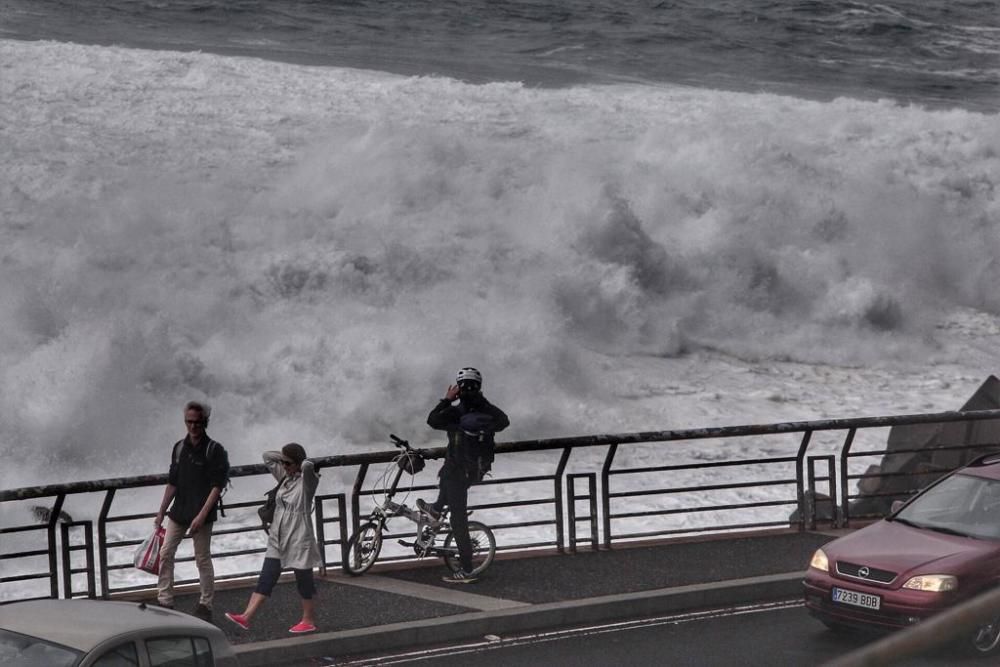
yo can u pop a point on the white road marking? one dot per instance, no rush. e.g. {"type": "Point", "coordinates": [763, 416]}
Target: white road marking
{"type": "Point", "coordinates": [494, 642]}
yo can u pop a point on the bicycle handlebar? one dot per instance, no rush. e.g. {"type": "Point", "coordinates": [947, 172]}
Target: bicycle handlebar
{"type": "Point", "coordinates": [405, 445]}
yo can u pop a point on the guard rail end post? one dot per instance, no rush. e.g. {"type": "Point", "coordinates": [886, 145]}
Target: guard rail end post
{"type": "Point", "coordinates": [799, 482]}
{"type": "Point", "coordinates": [606, 492]}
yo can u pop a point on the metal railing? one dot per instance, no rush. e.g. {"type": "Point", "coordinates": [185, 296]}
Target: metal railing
{"type": "Point", "coordinates": [615, 499]}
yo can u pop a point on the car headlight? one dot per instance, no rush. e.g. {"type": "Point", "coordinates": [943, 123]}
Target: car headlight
{"type": "Point", "coordinates": [936, 583]}
{"type": "Point", "coordinates": [820, 561]}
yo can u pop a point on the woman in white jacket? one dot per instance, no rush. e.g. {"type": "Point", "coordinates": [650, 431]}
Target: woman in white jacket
{"type": "Point", "coordinates": [291, 542]}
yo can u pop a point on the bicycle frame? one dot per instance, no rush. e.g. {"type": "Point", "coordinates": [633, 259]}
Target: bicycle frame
{"type": "Point", "coordinates": [366, 543]}
{"type": "Point", "coordinates": [427, 531]}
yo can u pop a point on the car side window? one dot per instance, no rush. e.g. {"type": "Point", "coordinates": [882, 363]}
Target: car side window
{"type": "Point", "coordinates": [203, 651]}
{"type": "Point", "coordinates": [21, 649]}
{"type": "Point", "coordinates": [179, 652]}
{"type": "Point", "coordinates": [123, 655]}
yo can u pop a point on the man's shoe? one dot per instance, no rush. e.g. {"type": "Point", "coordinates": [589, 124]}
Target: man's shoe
{"type": "Point", "coordinates": [460, 577]}
{"type": "Point", "coordinates": [203, 612]}
{"type": "Point", "coordinates": [301, 628]}
{"type": "Point", "coordinates": [429, 510]}
{"type": "Point", "coordinates": [239, 619]}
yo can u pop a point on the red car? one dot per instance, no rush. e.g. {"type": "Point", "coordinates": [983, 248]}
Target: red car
{"type": "Point", "coordinates": [940, 548]}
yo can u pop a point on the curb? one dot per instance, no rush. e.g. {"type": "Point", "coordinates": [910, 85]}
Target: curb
{"type": "Point", "coordinates": [475, 625]}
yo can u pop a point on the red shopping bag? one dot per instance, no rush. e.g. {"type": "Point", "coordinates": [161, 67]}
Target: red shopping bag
{"type": "Point", "coordinates": [147, 556]}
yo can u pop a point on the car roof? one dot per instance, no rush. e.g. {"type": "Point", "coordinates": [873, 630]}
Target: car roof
{"type": "Point", "coordinates": [988, 466]}
{"type": "Point", "coordinates": [83, 624]}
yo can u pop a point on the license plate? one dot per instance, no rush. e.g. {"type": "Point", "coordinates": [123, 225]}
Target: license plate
{"type": "Point", "coordinates": [856, 599]}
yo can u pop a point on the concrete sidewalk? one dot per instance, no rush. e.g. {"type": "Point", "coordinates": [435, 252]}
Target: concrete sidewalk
{"type": "Point", "coordinates": [407, 607]}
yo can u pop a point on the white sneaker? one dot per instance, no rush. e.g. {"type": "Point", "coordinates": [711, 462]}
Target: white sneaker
{"type": "Point", "coordinates": [460, 577]}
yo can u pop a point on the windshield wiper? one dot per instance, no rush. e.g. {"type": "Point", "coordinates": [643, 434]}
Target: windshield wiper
{"type": "Point", "coordinates": [949, 531]}
{"type": "Point", "coordinates": [906, 522]}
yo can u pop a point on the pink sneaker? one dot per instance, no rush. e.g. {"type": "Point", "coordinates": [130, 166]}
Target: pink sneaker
{"type": "Point", "coordinates": [239, 619]}
{"type": "Point", "coordinates": [300, 628]}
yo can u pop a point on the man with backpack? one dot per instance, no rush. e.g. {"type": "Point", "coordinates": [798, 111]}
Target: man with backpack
{"type": "Point", "coordinates": [199, 473]}
{"type": "Point", "coordinates": [470, 424]}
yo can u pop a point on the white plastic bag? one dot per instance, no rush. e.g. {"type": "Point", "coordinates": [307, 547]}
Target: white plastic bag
{"type": "Point", "coordinates": [147, 556]}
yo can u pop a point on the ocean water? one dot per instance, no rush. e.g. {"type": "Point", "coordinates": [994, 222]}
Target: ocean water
{"type": "Point", "coordinates": [312, 213]}
{"type": "Point", "coordinates": [928, 52]}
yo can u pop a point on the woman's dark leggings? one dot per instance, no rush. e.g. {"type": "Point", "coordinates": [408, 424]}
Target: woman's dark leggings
{"type": "Point", "coordinates": [270, 572]}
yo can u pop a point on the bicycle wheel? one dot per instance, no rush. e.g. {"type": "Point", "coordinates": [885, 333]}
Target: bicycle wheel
{"type": "Point", "coordinates": [484, 548]}
{"type": "Point", "coordinates": [363, 548]}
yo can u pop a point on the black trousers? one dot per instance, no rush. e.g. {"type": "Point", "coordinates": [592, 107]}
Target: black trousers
{"type": "Point", "coordinates": [453, 491]}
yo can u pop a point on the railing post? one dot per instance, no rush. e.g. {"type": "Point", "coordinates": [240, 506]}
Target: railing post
{"type": "Point", "coordinates": [320, 535]}
{"type": "Point", "coordinates": [831, 480]}
{"type": "Point", "coordinates": [67, 557]}
{"type": "Point", "coordinates": [606, 492]}
{"type": "Point", "coordinates": [831, 474]}
{"type": "Point", "coordinates": [558, 480]}
{"type": "Point", "coordinates": [845, 515]}
{"type": "Point", "coordinates": [342, 522]}
{"type": "Point", "coordinates": [799, 482]}
{"type": "Point", "coordinates": [321, 522]}
{"type": "Point", "coordinates": [53, 550]}
{"type": "Point", "coordinates": [359, 481]}
{"type": "Point", "coordinates": [102, 542]}
{"type": "Point", "coordinates": [591, 497]}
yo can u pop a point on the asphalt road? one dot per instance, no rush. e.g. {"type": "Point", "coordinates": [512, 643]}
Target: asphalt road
{"type": "Point", "coordinates": [770, 635]}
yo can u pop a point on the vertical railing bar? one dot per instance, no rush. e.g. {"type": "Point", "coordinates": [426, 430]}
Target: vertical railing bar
{"type": "Point", "coordinates": [67, 579]}
{"type": "Point", "coordinates": [799, 465]}
{"type": "Point", "coordinates": [606, 491]}
{"type": "Point", "coordinates": [102, 542]}
{"type": "Point", "coordinates": [320, 537]}
{"type": "Point", "coordinates": [845, 451]}
{"type": "Point", "coordinates": [831, 483]}
{"type": "Point", "coordinates": [592, 492]}
{"type": "Point", "coordinates": [571, 511]}
{"type": "Point", "coordinates": [359, 481]}
{"type": "Point", "coordinates": [558, 480]}
{"type": "Point", "coordinates": [51, 530]}
{"type": "Point", "coordinates": [969, 426]}
{"type": "Point", "coordinates": [88, 540]}
{"type": "Point", "coordinates": [811, 476]}
{"type": "Point", "coordinates": [342, 510]}
{"type": "Point", "coordinates": [831, 473]}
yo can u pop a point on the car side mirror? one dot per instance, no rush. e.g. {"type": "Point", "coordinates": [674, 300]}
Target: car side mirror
{"type": "Point", "coordinates": [896, 506]}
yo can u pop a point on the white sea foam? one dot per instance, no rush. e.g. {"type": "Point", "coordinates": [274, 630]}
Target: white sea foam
{"type": "Point", "coordinates": [316, 250]}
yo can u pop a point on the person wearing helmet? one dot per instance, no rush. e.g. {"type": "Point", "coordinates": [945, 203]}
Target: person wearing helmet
{"type": "Point", "coordinates": [470, 423]}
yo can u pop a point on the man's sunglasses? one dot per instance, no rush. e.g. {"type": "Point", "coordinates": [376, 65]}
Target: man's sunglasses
{"type": "Point", "coordinates": [287, 463]}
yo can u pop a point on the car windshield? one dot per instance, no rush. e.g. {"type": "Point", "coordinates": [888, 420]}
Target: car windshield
{"type": "Point", "coordinates": [960, 505]}
{"type": "Point", "coordinates": [18, 650]}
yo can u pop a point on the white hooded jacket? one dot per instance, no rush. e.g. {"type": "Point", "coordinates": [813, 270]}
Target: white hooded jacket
{"type": "Point", "coordinates": [291, 538]}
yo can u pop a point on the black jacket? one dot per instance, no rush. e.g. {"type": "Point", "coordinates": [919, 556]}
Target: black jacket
{"type": "Point", "coordinates": [195, 477]}
{"type": "Point", "coordinates": [472, 455]}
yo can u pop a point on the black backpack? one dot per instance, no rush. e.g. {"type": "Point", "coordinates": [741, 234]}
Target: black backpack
{"type": "Point", "coordinates": [266, 511]}
{"type": "Point", "coordinates": [476, 437]}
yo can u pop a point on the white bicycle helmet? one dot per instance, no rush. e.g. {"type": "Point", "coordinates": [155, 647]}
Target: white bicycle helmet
{"type": "Point", "coordinates": [469, 374]}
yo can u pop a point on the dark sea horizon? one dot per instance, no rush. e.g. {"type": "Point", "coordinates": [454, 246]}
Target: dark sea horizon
{"type": "Point", "coordinates": [936, 53]}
